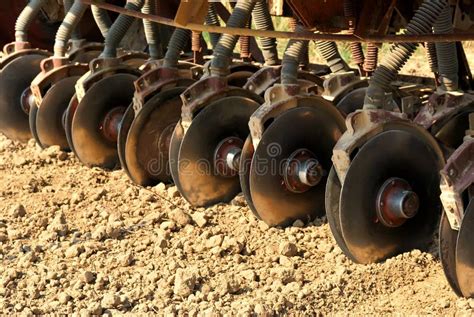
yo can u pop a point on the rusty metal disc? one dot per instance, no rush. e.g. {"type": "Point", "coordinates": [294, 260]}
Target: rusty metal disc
{"type": "Point", "coordinates": [406, 154]}
{"type": "Point", "coordinates": [127, 120]}
{"type": "Point", "coordinates": [68, 117]}
{"type": "Point", "coordinates": [447, 252]}
{"type": "Point", "coordinates": [15, 78]}
{"type": "Point", "coordinates": [92, 145]}
{"type": "Point", "coordinates": [32, 123]}
{"type": "Point", "coordinates": [313, 129]}
{"type": "Point", "coordinates": [175, 144]}
{"type": "Point", "coordinates": [244, 173]}
{"type": "Point", "coordinates": [50, 115]}
{"type": "Point", "coordinates": [465, 253]}
{"type": "Point", "coordinates": [353, 101]}
{"type": "Point", "coordinates": [199, 181]}
{"type": "Point", "coordinates": [451, 132]}
{"type": "Point", "coordinates": [148, 140]}
{"type": "Point", "coordinates": [333, 193]}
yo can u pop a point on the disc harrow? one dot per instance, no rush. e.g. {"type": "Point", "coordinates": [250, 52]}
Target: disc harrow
{"type": "Point", "coordinates": [387, 159]}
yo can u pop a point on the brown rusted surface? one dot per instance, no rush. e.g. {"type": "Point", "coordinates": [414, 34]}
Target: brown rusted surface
{"type": "Point", "coordinates": [441, 106]}
{"type": "Point", "coordinates": [320, 14]}
{"type": "Point", "coordinates": [101, 68]}
{"type": "Point", "coordinates": [361, 126]}
{"type": "Point", "coordinates": [263, 79]}
{"type": "Point", "coordinates": [53, 70]}
{"type": "Point", "coordinates": [158, 79]}
{"type": "Point", "coordinates": [456, 177]}
{"type": "Point", "coordinates": [337, 85]}
{"type": "Point", "coordinates": [278, 99]}
{"type": "Point", "coordinates": [15, 54]}
{"type": "Point", "coordinates": [194, 11]}
{"type": "Point", "coordinates": [199, 94]}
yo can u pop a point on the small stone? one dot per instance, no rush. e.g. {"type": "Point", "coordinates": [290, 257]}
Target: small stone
{"type": "Point", "coordinates": [19, 161]}
{"type": "Point", "coordinates": [77, 197]}
{"type": "Point", "coordinates": [173, 192]}
{"type": "Point", "coordinates": [64, 298]}
{"type": "Point", "coordinates": [444, 303]}
{"type": "Point", "coordinates": [95, 309]}
{"type": "Point", "coordinates": [263, 226]}
{"type": "Point", "coordinates": [126, 260]}
{"type": "Point", "coordinates": [99, 194]}
{"type": "Point", "coordinates": [18, 211]}
{"type": "Point", "coordinates": [184, 283]}
{"type": "Point", "coordinates": [471, 302]}
{"type": "Point", "coordinates": [62, 156]}
{"type": "Point", "coordinates": [153, 217]}
{"type": "Point", "coordinates": [74, 251]}
{"type": "Point", "coordinates": [3, 237]}
{"type": "Point", "coordinates": [288, 249]}
{"type": "Point", "coordinates": [298, 223]}
{"type": "Point", "coordinates": [99, 233]}
{"type": "Point", "coordinates": [200, 219]}
{"type": "Point", "coordinates": [58, 224]}
{"type": "Point", "coordinates": [249, 275]}
{"type": "Point", "coordinates": [285, 261]}
{"type": "Point", "coordinates": [214, 241]}
{"type": "Point", "coordinates": [168, 225]}
{"type": "Point", "coordinates": [160, 188]}
{"type": "Point", "coordinates": [110, 301]}
{"type": "Point", "coordinates": [88, 277]}
{"type": "Point", "coordinates": [260, 310]}
{"type": "Point", "coordinates": [180, 217]}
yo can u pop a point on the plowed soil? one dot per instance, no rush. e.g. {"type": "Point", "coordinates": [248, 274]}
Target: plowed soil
{"type": "Point", "coordinates": [86, 241]}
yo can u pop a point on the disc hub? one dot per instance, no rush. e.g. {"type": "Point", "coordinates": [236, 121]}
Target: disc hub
{"type": "Point", "coordinates": [302, 171]}
{"type": "Point", "coordinates": [396, 202]}
{"type": "Point", "coordinates": [27, 100]}
{"type": "Point", "coordinates": [227, 156]}
{"type": "Point", "coordinates": [110, 125]}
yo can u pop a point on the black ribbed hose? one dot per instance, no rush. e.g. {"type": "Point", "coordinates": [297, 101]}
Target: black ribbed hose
{"type": "Point", "coordinates": [330, 53]}
{"type": "Point", "coordinates": [263, 21]}
{"type": "Point", "coordinates": [432, 57]}
{"type": "Point", "coordinates": [151, 30]}
{"type": "Point", "coordinates": [26, 17]}
{"type": "Point", "coordinates": [102, 19]}
{"type": "Point", "coordinates": [177, 43]}
{"type": "Point", "coordinates": [291, 59]}
{"type": "Point", "coordinates": [119, 28]}
{"type": "Point", "coordinates": [224, 48]}
{"type": "Point", "coordinates": [213, 19]}
{"type": "Point", "coordinates": [70, 22]}
{"type": "Point", "coordinates": [400, 53]}
{"type": "Point", "coordinates": [446, 53]}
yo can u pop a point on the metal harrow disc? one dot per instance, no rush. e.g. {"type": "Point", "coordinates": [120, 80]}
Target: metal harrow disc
{"type": "Point", "coordinates": [389, 201]}
{"type": "Point", "coordinates": [50, 115]}
{"type": "Point", "coordinates": [290, 165]}
{"type": "Point", "coordinates": [447, 253]}
{"type": "Point", "coordinates": [465, 253]}
{"type": "Point", "coordinates": [333, 192]}
{"type": "Point", "coordinates": [15, 80]}
{"type": "Point", "coordinates": [127, 120]}
{"type": "Point", "coordinates": [97, 119]}
{"type": "Point", "coordinates": [222, 125]}
{"type": "Point", "coordinates": [147, 145]}
{"type": "Point", "coordinates": [244, 173]}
